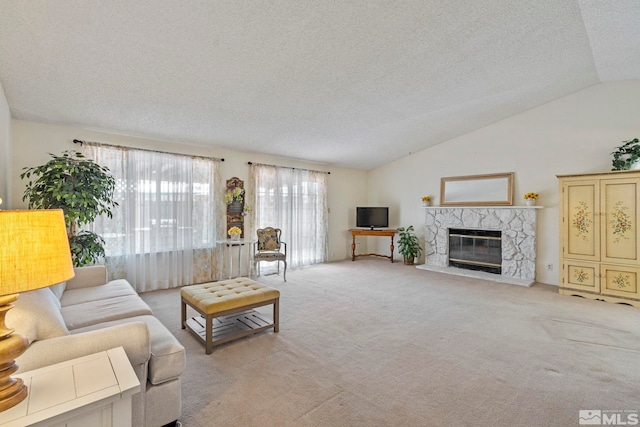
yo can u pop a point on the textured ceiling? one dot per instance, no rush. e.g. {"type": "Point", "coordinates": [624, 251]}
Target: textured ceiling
{"type": "Point", "coordinates": [349, 83]}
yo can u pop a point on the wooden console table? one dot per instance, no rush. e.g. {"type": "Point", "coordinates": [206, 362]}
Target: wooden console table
{"type": "Point", "coordinates": [364, 232]}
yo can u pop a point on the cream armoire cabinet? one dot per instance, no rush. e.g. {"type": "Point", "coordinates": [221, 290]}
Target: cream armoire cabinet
{"type": "Point", "coordinates": [599, 218]}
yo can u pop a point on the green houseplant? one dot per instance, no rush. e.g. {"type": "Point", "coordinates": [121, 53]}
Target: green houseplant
{"type": "Point", "coordinates": [408, 244]}
{"type": "Point", "coordinates": [82, 189]}
{"type": "Point", "coordinates": [627, 155]}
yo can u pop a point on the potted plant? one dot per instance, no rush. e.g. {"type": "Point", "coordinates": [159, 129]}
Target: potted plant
{"type": "Point", "coordinates": [530, 198]}
{"type": "Point", "coordinates": [426, 200]}
{"type": "Point", "coordinates": [408, 244]}
{"type": "Point", "coordinates": [234, 233]}
{"type": "Point", "coordinates": [627, 156]}
{"type": "Point", "coordinates": [82, 189]}
{"type": "Point", "coordinates": [233, 194]}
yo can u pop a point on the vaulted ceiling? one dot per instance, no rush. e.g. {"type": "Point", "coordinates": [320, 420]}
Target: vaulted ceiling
{"type": "Point", "coordinates": [349, 83]}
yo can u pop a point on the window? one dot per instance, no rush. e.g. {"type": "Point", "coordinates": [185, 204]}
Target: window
{"type": "Point", "coordinates": [165, 219]}
{"type": "Point", "coordinates": [294, 200]}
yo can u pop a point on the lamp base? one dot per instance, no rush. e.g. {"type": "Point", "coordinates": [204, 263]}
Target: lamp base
{"type": "Point", "coordinates": [13, 394]}
{"type": "Point", "coordinates": [12, 390]}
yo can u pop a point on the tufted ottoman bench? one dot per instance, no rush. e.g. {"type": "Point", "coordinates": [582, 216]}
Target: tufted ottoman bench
{"type": "Point", "coordinates": [226, 309]}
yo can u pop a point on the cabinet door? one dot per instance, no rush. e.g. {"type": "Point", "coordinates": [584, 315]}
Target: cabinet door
{"type": "Point", "coordinates": [620, 281]}
{"type": "Point", "coordinates": [583, 276]}
{"type": "Point", "coordinates": [619, 222]}
{"type": "Point", "coordinates": [580, 224]}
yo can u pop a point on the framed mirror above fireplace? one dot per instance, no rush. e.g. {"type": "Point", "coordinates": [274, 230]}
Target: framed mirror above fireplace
{"type": "Point", "coordinates": [477, 190]}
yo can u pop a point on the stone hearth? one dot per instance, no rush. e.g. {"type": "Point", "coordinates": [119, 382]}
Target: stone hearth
{"type": "Point", "coordinates": [518, 227]}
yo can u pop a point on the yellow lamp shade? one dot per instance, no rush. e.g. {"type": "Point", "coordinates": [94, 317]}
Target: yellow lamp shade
{"type": "Point", "coordinates": [34, 250]}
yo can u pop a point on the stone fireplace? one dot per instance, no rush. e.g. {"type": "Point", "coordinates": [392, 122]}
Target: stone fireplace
{"type": "Point", "coordinates": [515, 225]}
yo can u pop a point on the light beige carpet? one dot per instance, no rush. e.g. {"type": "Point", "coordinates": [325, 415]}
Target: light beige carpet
{"type": "Point", "coordinates": [370, 343]}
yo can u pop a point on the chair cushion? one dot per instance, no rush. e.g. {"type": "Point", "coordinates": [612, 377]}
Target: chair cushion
{"type": "Point", "coordinates": [269, 256]}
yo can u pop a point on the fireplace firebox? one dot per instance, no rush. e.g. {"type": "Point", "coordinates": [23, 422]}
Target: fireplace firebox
{"type": "Point", "coordinates": [476, 249]}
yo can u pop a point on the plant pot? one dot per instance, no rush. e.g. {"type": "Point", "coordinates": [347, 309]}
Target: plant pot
{"type": "Point", "coordinates": [425, 204]}
{"type": "Point", "coordinates": [235, 206]}
{"type": "Point", "coordinates": [530, 202]}
{"type": "Point", "coordinates": [235, 237]}
{"type": "Point", "coordinates": [409, 261]}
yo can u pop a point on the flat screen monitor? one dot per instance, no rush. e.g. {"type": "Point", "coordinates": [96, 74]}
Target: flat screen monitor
{"type": "Point", "coordinates": [372, 217]}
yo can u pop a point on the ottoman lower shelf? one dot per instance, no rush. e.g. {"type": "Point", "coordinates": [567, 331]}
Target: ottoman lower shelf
{"type": "Point", "coordinates": [227, 328]}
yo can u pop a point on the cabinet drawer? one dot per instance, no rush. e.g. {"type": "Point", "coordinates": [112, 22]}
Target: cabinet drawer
{"type": "Point", "coordinates": [581, 275]}
{"type": "Point", "coordinates": [619, 281]}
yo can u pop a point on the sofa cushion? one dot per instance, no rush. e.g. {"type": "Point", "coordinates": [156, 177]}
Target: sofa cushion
{"type": "Point", "coordinates": [36, 315]}
{"type": "Point", "coordinates": [89, 276]}
{"type": "Point", "coordinates": [58, 290]}
{"type": "Point", "coordinates": [93, 312]}
{"type": "Point", "coordinates": [167, 354]}
{"type": "Point", "coordinates": [115, 288]}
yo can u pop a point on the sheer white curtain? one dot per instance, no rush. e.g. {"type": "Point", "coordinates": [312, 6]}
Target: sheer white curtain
{"type": "Point", "coordinates": [163, 233]}
{"type": "Point", "coordinates": [294, 200]}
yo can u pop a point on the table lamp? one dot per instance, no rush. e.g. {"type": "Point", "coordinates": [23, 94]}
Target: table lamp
{"type": "Point", "coordinates": [34, 253]}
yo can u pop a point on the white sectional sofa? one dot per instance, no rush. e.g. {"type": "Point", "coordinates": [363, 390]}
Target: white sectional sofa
{"type": "Point", "coordinates": [89, 314]}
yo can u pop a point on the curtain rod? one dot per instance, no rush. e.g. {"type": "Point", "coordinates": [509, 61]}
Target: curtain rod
{"type": "Point", "coordinates": [288, 167]}
{"type": "Point", "coordinates": [78, 141]}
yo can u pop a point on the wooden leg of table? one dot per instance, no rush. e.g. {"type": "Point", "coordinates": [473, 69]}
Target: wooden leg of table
{"type": "Point", "coordinates": [353, 248]}
{"type": "Point", "coordinates": [391, 248]}
{"type": "Point", "coordinates": [184, 314]}
{"type": "Point", "coordinates": [208, 333]}
{"type": "Point", "coordinates": [276, 315]}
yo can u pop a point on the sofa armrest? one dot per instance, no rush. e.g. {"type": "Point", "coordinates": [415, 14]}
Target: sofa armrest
{"type": "Point", "coordinates": [133, 337]}
{"type": "Point", "coordinates": [93, 275]}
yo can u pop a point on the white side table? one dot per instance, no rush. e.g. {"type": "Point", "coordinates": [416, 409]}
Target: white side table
{"type": "Point", "coordinates": [229, 243]}
{"type": "Point", "coordinates": [94, 390]}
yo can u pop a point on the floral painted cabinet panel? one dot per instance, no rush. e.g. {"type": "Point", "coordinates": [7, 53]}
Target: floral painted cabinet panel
{"type": "Point", "coordinates": [584, 276]}
{"type": "Point", "coordinates": [620, 281]}
{"type": "Point", "coordinates": [619, 204]}
{"type": "Point", "coordinates": [599, 219]}
{"type": "Point", "coordinates": [580, 222]}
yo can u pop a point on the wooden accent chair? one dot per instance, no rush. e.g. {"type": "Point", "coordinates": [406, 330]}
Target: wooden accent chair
{"type": "Point", "coordinates": [269, 247]}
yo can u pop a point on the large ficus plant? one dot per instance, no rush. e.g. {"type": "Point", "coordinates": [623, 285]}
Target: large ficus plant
{"type": "Point", "coordinates": [82, 189]}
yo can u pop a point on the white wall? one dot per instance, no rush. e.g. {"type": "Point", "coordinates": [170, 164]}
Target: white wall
{"type": "Point", "coordinates": [574, 134]}
{"type": "Point", "coordinates": [5, 151]}
{"type": "Point", "coordinates": [347, 187]}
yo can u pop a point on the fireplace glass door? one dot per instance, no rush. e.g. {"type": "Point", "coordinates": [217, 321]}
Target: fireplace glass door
{"type": "Point", "coordinates": [476, 249]}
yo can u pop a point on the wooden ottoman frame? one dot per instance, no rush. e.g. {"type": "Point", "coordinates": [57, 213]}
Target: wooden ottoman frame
{"type": "Point", "coordinates": [229, 304]}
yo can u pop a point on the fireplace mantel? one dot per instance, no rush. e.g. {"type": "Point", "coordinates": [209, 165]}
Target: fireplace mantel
{"type": "Point", "coordinates": [517, 224]}
{"type": "Point", "coordinates": [483, 207]}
